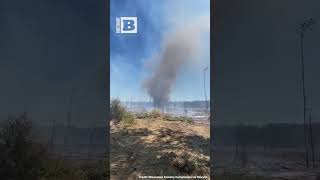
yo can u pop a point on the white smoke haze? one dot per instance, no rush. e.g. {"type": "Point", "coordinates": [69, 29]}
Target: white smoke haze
{"type": "Point", "coordinates": [179, 47]}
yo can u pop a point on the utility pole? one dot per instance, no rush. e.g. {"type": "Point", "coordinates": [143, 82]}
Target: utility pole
{"type": "Point", "coordinates": [131, 103]}
{"type": "Point", "coordinates": [204, 87]}
{"type": "Point", "coordinates": [91, 132]}
{"type": "Point", "coordinates": [307, 25]}
{"type": "Point", "coordinates": [51, 144]}
{"type": "Point", "coordinates": [69, 117]}
{"type": "Point", "coordinates": [311, 139]}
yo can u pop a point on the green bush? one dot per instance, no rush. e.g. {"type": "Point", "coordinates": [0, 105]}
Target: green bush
{"type": "Point", "coordinates": [118, 112]}
{"type": "Point", "coordinates": [128, 118]}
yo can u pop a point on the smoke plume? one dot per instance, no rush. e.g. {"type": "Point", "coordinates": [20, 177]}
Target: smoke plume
{"type": "Point", "coordinates": [177, 49]}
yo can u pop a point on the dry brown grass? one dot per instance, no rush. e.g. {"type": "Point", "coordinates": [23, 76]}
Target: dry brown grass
{"type": "Point", "coordinates": [157, 147]}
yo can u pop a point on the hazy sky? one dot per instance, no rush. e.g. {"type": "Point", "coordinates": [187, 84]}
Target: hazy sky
{"type": "Point", "coordinates": [258, 76]}
{"type": "Point", "coordinates": [131, 54]}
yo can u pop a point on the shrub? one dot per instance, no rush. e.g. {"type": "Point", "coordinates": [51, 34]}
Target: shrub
{"type": "Point", "coordinates": [187, 119]}
{"type": "Point", "coordinates": [20, 158]}
{"type": "Point", "coordinates": [96, 173]}
{"type": "Point", "coordinates": [58, 169]}
{"type": "Point", "coordinates": [155, 113]}
{"type": "Point", "coordinates": [143, 115]}
{"type": "Point", "coordinates": [148, 115]}
{"type": "Point", "coordinates": [182, 119]}
{"type": "Point", "coordinates": [54, 169]}
{"type": "Point", "coordinates": [190, 164]}
{"type": "Point", "coordinates": [118, 112]}
{"type": "Point", "coordinates": [128, 118]}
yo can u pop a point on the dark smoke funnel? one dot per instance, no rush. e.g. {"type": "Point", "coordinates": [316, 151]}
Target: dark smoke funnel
{"type": "Point", "coordinates": [177, 48]}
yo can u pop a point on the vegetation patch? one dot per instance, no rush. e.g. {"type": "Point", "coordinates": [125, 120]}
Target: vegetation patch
{"type": "Point", "coordinates": [119, 113]}
{"type": "Point", "coordinates": [178, 118]}
{"type": "Point", "coordinates": [54, 169]}
{"type": "Point", "coordinates": [59, 169]}
{"type": "Point", "coordinates": [128, 118]}
{"type": "Point", "coordinates": [20, 157]}
{"type": "Point", "coordinates": [189, 164]}
{"type": "Point", "coordinates": [155, 113]}
{"type": "Point", "coordinates": [23, 158]}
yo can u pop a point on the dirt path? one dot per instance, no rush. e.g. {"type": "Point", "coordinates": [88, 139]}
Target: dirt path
{"type": "Point", "coordinates": [154, 147]}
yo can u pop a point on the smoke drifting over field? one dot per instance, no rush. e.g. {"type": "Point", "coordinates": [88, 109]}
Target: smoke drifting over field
{"type": "Point", "coordinates": [177, 49]}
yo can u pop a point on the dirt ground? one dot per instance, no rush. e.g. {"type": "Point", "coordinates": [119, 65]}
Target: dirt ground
{"type": "Point", "coordinates": [155, 147]}
{"type": "Point", "coordinates": [275, 163]}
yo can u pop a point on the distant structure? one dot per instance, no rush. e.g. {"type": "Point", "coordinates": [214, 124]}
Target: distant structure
{"type": "Point", "coordinates": [69, 117]}
{"type": "Point", "coordinates": [306, 25]}
{"type": "Point", "coordinates": [204, 87]}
